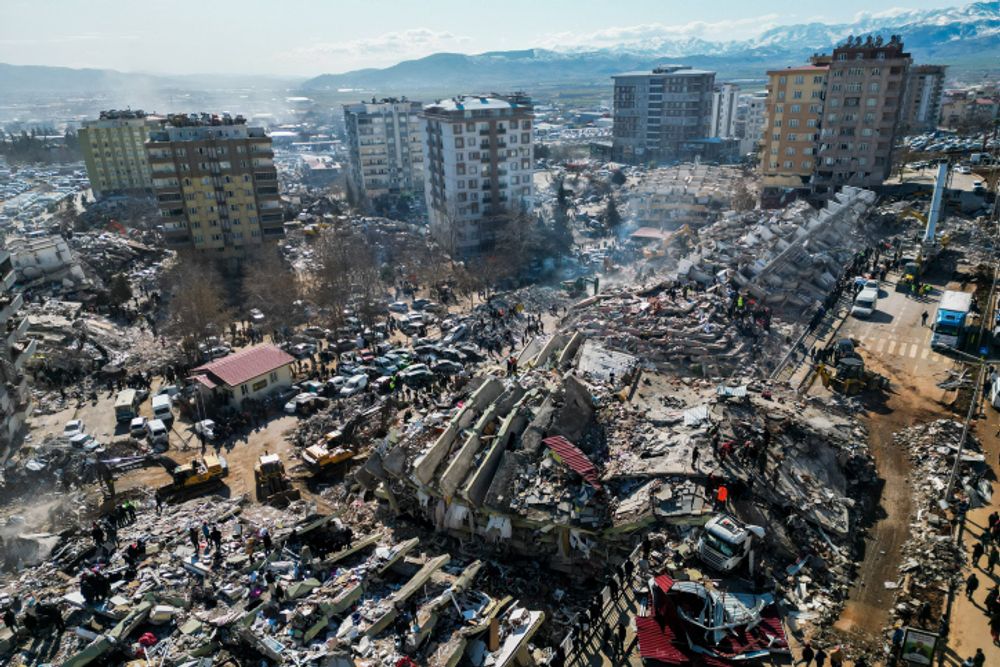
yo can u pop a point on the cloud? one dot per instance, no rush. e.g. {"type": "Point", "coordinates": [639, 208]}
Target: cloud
{"type": "Point", "coordinates": [68, 39]}
{"type": "Point", "coordinates": [890, 13]}
{"type": "Point", "coordinates": [643, 34]}
{"type": "Point", "coordinates": [387, 48]}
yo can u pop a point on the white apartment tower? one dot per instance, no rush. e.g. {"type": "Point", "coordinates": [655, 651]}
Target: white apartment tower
{"type": "Point", "coordinates": [385, 140]}
{"type": "Point", "coordinates": [754, 120]}
{"type": "Point", "coordinates": [725, 100]}
{"type": "Point", "coordinates": [479, 158]}
{"type": "Point", "coordinates": [14, 352]}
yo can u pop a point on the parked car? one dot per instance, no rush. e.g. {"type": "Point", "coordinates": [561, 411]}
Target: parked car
{"type": "Point", "coordinates": [217, 352]}
{"type": "Point", "coordinates": [456, 334]}
{"type": "Point", "coordinates": [355, 385]}
{"type": "Point", "coordinates": [292, 406]}
{"type": "Point", "coordinates": [399, 307]}
{"type": "Point", "coordinates": [418, 375]}
{"type": "Point", "coordinates": [85, 442]}
{"type": "Point", "coordinates": [137, 427]}
{"type": "Point", "coordinates": [256, 316]}
{"type": "Point", "coordinates": [302, 350]}
{"type": "Point", "coordinates": [334, 385]}
{"type": "Point", "coordinates": [73, 427]}
{"type": "Point", "coordinates": [447, 367]}
{"type": "Point", "coordinates": [205, 428]}
{"type": "Point", "coordinates": [312, 387]}
{"type": "Point", "coordinates": [315, 331]}
{"type": "Point", "coordinates": [420, 304]}
{"type": "Point", "coordinates": [158, 432]}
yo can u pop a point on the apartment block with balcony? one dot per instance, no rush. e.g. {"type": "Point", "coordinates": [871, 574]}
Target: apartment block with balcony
{"type": "Point", "coordinates": [385, 142]}
{"type": "Point", "coordinates": [725, 102]}
{"type": "Point", "coordinates": [750, 128]}
{"type": "Point", "coordinates": [479, 163]}
{"type": "Point", "coordinates": [660, 114]}
{"type": "Point", "coordinates": [14, 352]}
{"type": "Point", "coordinates": [113, 148]}
{"type": "Point", "coordinates": [215, 183]}
{"type": "Point", "coordinates": [922, 101]}
{"type": "Point", "coordinates": [792, 120]}
{"type": "Point", "coordinates": [866, 86]}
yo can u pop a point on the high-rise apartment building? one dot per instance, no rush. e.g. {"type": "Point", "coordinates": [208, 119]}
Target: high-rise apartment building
{"type": "Point", "coordinates": [14, 352]}
{"type": "Point", "coordinates": [385, 140]}
{"type": "Point", "coordinates": [113, 148]}
{"type": "Point", "coordinates": [215, 183]}
{"type": "Point", "coordinates": [794, 113]}
{"type": "Point", "coordinates": [725, 101]}
{"type": "Point", "coordinates": [478, 157]}
{"type": "Point", "coordinates": [754, 120]}
{"type": "Point", "coordinates": [922, 101]}
{"type": "Point", "coordinates": [658, 114]}
{"type": "Point", "coordinates": [864, 101]}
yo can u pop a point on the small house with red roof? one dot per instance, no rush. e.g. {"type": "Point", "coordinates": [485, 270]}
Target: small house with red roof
{"type": "Point", "coordinates": [252, 373]}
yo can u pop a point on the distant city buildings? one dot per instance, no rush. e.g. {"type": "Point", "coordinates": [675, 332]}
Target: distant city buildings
{"type": "Point", "coordinates": [14, 352]}
{"type": "Point", "coordinates": [215, 184]}
{"type": "Point", "coordinates": [385, 144]}
{"type": "Point", "coordinates": [794, 110]}
{"type": "Point", "coordinates": [922, 99]}
{"type": "Point", "coordinates": [725, 101]}
{"type": "Point", "coordinates": [478, 165]}
{"type": "Point", "coordinates": [864, 102]}
{"type": "Point", "coordinates": [113, 148]}
{"type": "Point", "coordinates": [970, 108]}
{"type": "Point", "coordinates": [660, 115]}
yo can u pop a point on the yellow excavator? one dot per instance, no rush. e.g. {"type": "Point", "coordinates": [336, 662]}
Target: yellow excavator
{"type": "Point", "coordinates": [194, 478]}
{"type": "Point", "coordinates": [323, 456]}
{"type": "Point", "coordinates": [273, 485]}
{"type": "Point", "coordinates": [850, 377]}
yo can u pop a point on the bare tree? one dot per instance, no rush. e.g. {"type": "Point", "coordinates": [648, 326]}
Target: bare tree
{"type": "Point", "coordinates": [271, 285]}
{"type": "Point", "coordinates": [197, 307]}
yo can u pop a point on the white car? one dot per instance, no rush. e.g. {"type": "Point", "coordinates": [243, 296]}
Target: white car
{"type": "Point", "coordinates": [336, 383]}
{"type": "Point", "coordinates": [399, 307]}
{"type": "Point", "coordinates": [84, 441]}
{"type": "Point", "coordinates": [354, 385]}
{"type": "Point", "coordinates": [74, 427]}
{"type": "Point", "coordinates": [137, 427]}
{"type": "Point", "coordinates": [206, 428]}
{"type": "Point", "coordinates": [963, 169]}
{"type": "Point", "coordinates": [292, 406]}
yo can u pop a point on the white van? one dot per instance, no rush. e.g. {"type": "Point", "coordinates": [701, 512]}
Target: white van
{"type": "Point", "coordinates": [158, 433]}
{"type": "Point", "coordinates": [865, 303]}
{"type": "Point", "coordinates": [161, 408]}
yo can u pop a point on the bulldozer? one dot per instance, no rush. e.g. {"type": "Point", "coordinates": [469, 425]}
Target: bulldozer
{"type": "Point", "coordinates": [323, 456]}
{"type": "Point", "coordinates": [273, 485]}
{"type": "Point", "coordinates": [194, 478]}
{"type": "Point", "coordinates": [850, 377]}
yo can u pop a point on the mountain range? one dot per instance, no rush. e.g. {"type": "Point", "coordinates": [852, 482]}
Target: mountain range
{"type": "Point", "coordinates": [965, 37]}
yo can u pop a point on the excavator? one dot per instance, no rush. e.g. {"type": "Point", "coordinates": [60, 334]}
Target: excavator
{"type": "Point", "coordinates": [930, 244]}
{"type": "Point", "coordinates": [850, 377]}
{"type": "Point", "coordinates": [194, 478]}
{"type": "Point", "coordinates": [323, 456]}
{"type": "Point", "coordinates": [273, 485]}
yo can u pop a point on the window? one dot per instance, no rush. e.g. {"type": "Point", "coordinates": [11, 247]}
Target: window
{"type": "Point", "coordinates": [243, 390]}
{"type": "Point", "coordinates": [792, 136]}
{"type": "Point", "coordinates": [782, 80]}
{"type": "Point", "coordinates": [799, 79]}
{"type": "Point", "coordinates": [793, 122]}
{"type": "Point", "coordinates": [797, 94]}
{"type": "Point", "coordinates": [807, 164]}
{"type": "Point", "coordinates": [873, 87]}
{"type": "Point", "coordinates": [274, 376]}
{"type": "Point", "coordinates": [876, 71]}
{"type": "Point", "coordinates": [789, 151]}
{"type": "Point", "coordinates": [789, 164]}
{"type": "Point", "coordinates": [811, 122]}
{"type": "Point", "coordinates": [795, 108]}
{"type": "Point", "coordinates": [871, 101]}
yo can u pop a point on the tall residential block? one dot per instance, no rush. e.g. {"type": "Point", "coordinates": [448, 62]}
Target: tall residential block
{"type": "Point", "coordinates": [385, 140]}
{"type": "Point", "coordinates": [215, 183]}
{"type": "Point", "coordinates": [14, 352]}
{"type": "Point", "coordinates": [657, 113]}
{"type": "Point", "coordinates": [725, 101]}
{"type": "Point", "coordinates": [864, 100]}
{"type": "Point", "coordinates": [791, 130]}
{"type": "Point", "coordinates": [922, 101]}
{"type": "Point", "coordinates": [478, 156]}
{"type": "Point", "coordinates": [114, 151]}
{"type": "Point", "coordinates": [754, 120]}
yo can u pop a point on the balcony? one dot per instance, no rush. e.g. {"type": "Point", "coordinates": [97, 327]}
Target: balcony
{"type": "Point", "coordinates": [19, 355]}
{"type": "Point", "coordinates": [484, 133]}
{"type": "Point", "coordinates": [501, 130]}
{"type": "Point", "coordinates": [9, 305]}
{"type": "Point", "coordinates": [265, 175]}
{"type": "Point", "coordinates": [484, 146]}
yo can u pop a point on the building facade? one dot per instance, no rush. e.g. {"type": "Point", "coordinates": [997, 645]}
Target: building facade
{"type": "Point", "coordinates": [864, 101]}
{"type": "Point", "coordinates": [750, 128]}
{"type": "Point", "coordinates": [385, 144]}
{"type": "Point", "coordinates": [113, 148]}
{"type": "Point", "coordinates": [725, 101]}
{"type": "Point", "coordinates": [215, 184]}
{"type": "Point", "coordinates": [479, 162]}
{"type": "Point", "coordinates": [14, 352]}
{"type": "Point", "coordinates": [922, 100]}
{"type": "Point", "coordinates": [658, 114]}
{"type": "Point", "coordinates": [792, 125]}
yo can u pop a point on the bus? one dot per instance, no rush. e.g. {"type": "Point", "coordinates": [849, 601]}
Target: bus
{"type": "Point", "coordinates": [126, 405]}
{"type": "Point", "coordinates": [950, 320]}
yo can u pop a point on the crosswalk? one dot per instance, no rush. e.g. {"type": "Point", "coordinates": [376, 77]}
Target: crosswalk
{"type": "Point", "coordinates": [886, 345]}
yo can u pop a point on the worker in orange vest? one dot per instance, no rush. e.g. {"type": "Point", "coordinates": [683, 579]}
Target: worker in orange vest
{"type": "Point", "coordinates": [721, 496]}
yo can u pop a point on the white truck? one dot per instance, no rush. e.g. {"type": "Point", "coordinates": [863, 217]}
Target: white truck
{"type": "Point", "coordinates": [725, 541]}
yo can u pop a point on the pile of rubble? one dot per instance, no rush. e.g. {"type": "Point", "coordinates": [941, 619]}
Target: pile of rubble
{"type": "Point", "coordinates": [254, 584]}
{"type": "Point", "coordinates": [932, 560]}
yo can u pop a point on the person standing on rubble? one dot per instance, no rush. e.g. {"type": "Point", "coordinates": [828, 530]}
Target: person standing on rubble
{"type": "Point", "coordinates": [971, 584]}
{"type": "Point", "coordinates": [193, 536]}
{"type": "Point", "coordinates": [977, 552]}
{"type": "Point", "coordinates": [97, 534]}
{"type": "Point", "coordinates": [807, 654]}
{"type": "Point", "coordinates": [216, 536]}
{"type": "Point", "coordinates": [820, 657]}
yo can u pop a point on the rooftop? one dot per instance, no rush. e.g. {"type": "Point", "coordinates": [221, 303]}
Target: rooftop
{"type": "Point", "coordinates": [668, 70]}
{"type": "Point", "coordinates": [247, 364]}
{"type": "Point", "coordinates": [476, 102]}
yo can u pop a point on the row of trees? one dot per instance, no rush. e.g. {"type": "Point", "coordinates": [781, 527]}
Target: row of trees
{"type": "Point", "coordinates": [34, 146]}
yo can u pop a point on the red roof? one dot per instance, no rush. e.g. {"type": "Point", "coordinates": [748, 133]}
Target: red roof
{"type": "Point", "coordinates": [664, 582]}
{"type": "Point", "coordinates": [205, 380]}
{"type": "Point", "coordinates": [237, 368]}
{"type": "Point", "coordinates": [660, 644]}
{"type": "Point", "coordinates": [574, 458]}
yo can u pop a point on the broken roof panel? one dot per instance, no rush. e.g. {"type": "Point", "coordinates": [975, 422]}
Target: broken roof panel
{"type": "Point", "coordinates": [570, 455]}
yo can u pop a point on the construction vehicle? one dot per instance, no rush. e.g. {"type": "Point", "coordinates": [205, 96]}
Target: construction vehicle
{"type": "Point", "coordinates": [194, 478]}
{"type": "Point", "coordinates": [850, 377]}
{"type": "Point", "coordinates": [578, 286]}
{"type": "Point", "coordinates": [273, 485]}
{"type": "Point", "coordinates": [327, 453]}
{"type": "Point", "coordinates": [929, 245]}
{"type": "Point", "coordinates": [725, 542]}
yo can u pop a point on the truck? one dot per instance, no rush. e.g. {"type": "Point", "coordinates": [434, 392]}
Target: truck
{"type": "Point", "coordinates": [725, 541]}
{"type": "Point", "coordinates": [951, 319]}
{"type": "Point", "coordinates": [126, 405]}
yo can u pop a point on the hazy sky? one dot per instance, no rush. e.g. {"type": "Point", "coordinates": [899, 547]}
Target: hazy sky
{"type": "Point", "coordinates": [309, 37]}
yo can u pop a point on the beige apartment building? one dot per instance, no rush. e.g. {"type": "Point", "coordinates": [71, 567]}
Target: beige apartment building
{"type": "Point", "coordinates": [385, 143]}
{"type": "Point", "coordinates": [790, 133]}
{"type": "Point", "coordinates": [215, 184]}
{"type": "Point", "coordinates": [113, 148]}
{"type": "Point", "coordinates": [864, 101]}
